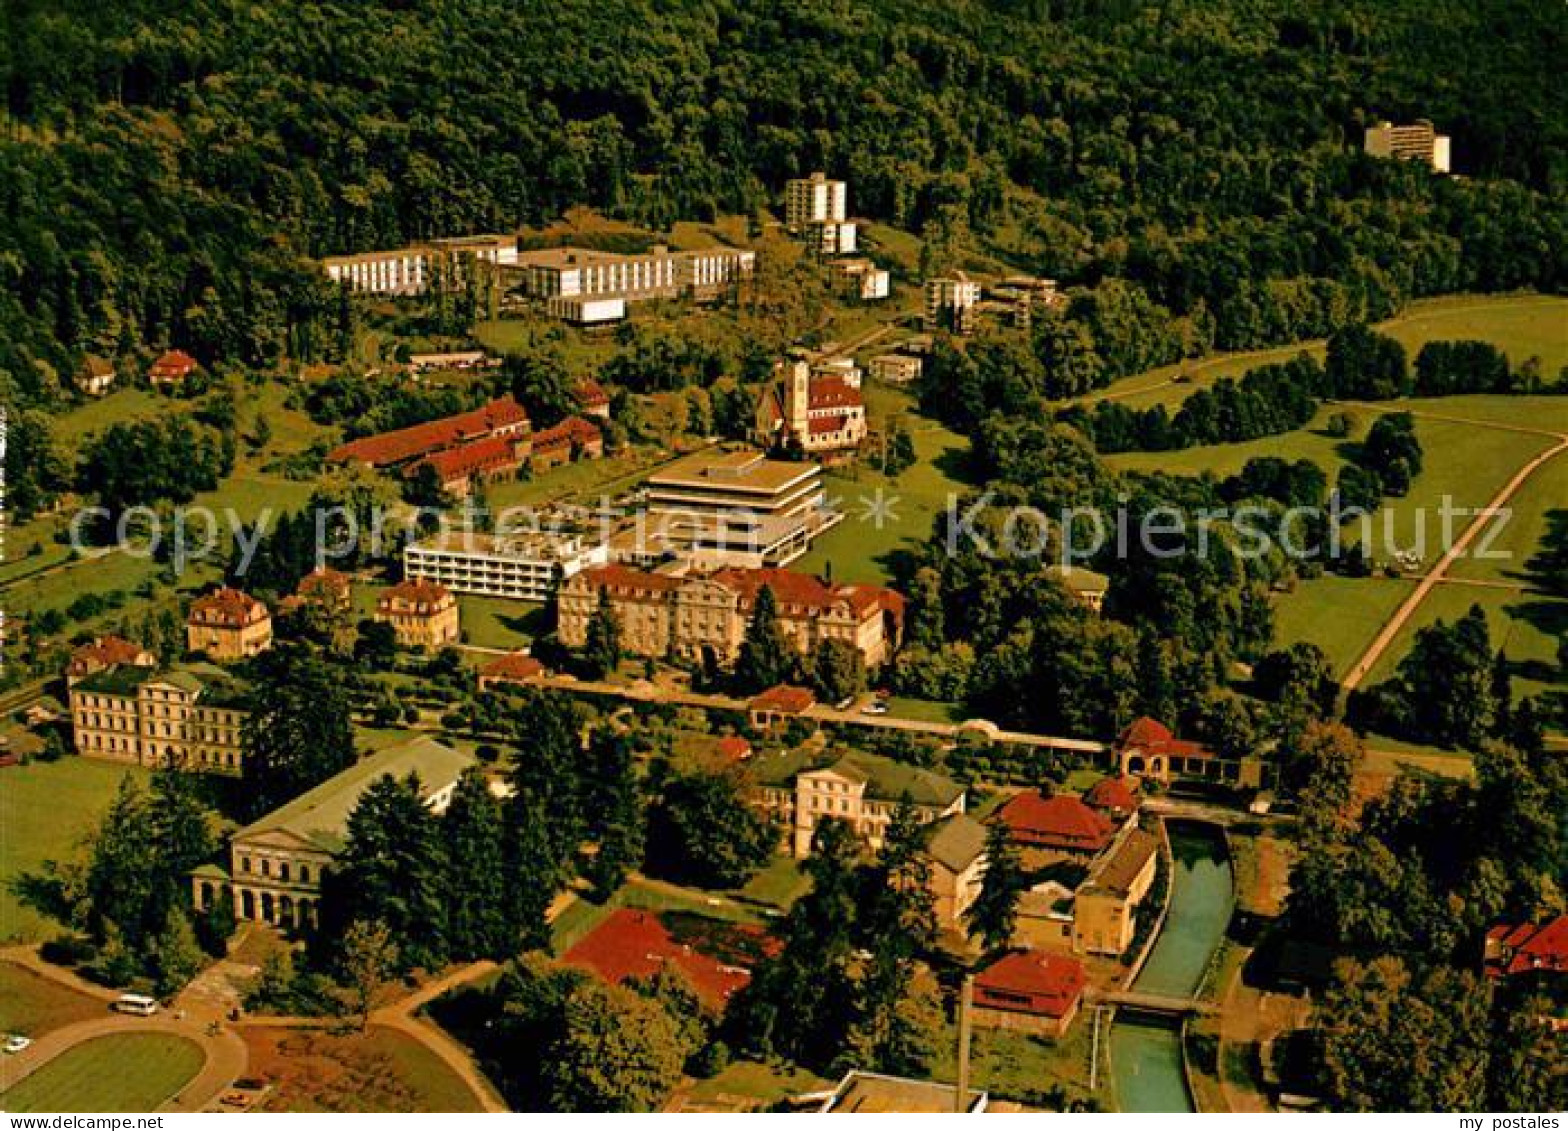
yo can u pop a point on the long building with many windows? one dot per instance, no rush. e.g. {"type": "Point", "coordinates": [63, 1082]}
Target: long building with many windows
{"type": "Point", "coordinates": [188, 717]}
{"type": "Point", "coordinates": [525, 567]}
{"type": "Point", "coordinates": [703, 616]}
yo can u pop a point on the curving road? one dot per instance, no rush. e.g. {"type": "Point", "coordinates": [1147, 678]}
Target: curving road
{"type": "Point", "coordinates": [1391, 629]}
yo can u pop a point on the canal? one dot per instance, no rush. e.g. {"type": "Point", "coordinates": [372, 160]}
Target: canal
{"type": "Point", "coordinates": [1146, 1053]}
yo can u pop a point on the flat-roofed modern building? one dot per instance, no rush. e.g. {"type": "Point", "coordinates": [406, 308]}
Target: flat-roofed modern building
{"type": "Point", "coordinates": [815, 199]}
{"type": "Point", "coordinates": [584, 285]}
{"type": "Point", "coordinates": [1418, 141]}
{"type": "Point", "coordinates": [872, 1093]}
{"type": "Point", "coordinates": [950, 301]}
{"type": "Point", "coordinates": [734, 507]}
{"type": "Point", "coordinates": [276, 864]}
{"type": "Point", "coordinates": [523, 567]}
{"type": "Point", "coordinates": [410, 270]}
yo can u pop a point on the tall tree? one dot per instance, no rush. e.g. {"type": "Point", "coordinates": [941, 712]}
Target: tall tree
{"type": "Point", "coordinates": [615, 1051]}
{"type": "Point", "coordinates": [299, 731]}
{"type": "Point", "coordinates": [994, 913]}
{"type": "Point", "coordinates": [615, 810]}
{"type": "Point", "coordinates": [602, 648]}
{"type": "Point", "coordinates": [474, 854]}
{"type": "Point", "coordinates": [767, 657]}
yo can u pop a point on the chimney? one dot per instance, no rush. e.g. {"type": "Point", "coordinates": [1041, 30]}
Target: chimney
{"type": "Point", "coordinates": [966, 995]}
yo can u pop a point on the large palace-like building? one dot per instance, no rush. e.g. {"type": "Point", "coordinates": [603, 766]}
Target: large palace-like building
{"type": "Point", "coordinates": [701, 615]}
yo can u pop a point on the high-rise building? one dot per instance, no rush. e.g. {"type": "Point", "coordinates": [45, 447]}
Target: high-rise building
{"type": "Point", "coordinates": [815, 200]}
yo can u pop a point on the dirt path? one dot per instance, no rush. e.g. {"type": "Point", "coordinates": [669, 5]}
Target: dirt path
{"type": "Point", "coordinates": [401, 1015]}
{"type": "Point", "coordinates": [1390, 630]}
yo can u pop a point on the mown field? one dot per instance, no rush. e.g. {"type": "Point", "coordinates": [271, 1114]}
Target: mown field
{"type": "Point", "coordinates": [1473, 445]}
{"type": "Point", "coordinates": [1525, 326]}
{"type": "Point", "coordinates": [126, 1072]}
{"type": "Point", "coordinates": [45, 810]}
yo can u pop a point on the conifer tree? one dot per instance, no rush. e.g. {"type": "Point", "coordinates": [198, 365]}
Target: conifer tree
{"type": "Point", "coordinates": [474, 840]}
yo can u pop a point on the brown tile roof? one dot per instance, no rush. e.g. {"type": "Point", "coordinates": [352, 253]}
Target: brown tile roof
{"type": "Point", "coordinates": [784, 699]}
{"type": "Point", "coordinates": [1527, 947]}
{"type": "Point", "coordinates": [227, 607]}
{"type": "Point", "coordinates": [1124, 864]}
{"type": "Point", "coordinates": [492, 454]}
{"type": "Point", "coordinates": [1061, 822]}
{"type": "Point", "coordinates": [423, 439]}
{"type": "Point", "coordinates": [323, 581]}
{"type": "Point", "coordinates": [623, 581]}
{"type": "Point", "coordinates": [574, 429]}
{"type": "Point", "coordinates": [514, 667]}
{"type": "Point", "coordinates": [1156, 738]}
{"type": "Point", "coordinates": [95, 366]}
{"type": "Point", "coordinates": [414, 593]}
{"type": "Point", "coordinates": [834, 392]}
{"type": "Point", "coordinates": [105, 652]}
{"type": "Point", "coordinates": [1031, 981]}
{"type": "Point", "coordinates": [172, 365]}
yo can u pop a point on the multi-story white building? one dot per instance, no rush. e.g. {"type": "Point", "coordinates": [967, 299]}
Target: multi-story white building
{"type": "Point", "coordinates": [525, 567]}
{"type": "Point", "coordinates": [1418, 141]}
{"type": "Point", "coordinates": [862, 279]}
{"type": "Point", "coordinates": [730, 508]}
{"type": "Point", "coordinates": [950, 299]}
{"type": "Point", "coordinates": [815, 200]}
{"type": "Point", "coordinates": [572, 273]}
{"type": "Point", "coordinates": [410, 270]}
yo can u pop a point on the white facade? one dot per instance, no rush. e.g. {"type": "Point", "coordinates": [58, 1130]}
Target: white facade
{"type": "Point", "coordinates": [522, 568]}
{"type": "Point", "coordinates": [408, 270]}
{"type": "Point", "coordinates": [815, 200]}
{"type": "Point", "coordinates": [950, 297]}
{"type": "Point", "coordinates": [586, 311]}
{"type": "Point", "coordinates": [1418, 141]}
{"type": "Point", "coordinates": [582, 273]}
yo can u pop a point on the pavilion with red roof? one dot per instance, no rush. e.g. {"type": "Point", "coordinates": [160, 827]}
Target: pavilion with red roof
{"type": "Point", "coordinates": [1031, 991]}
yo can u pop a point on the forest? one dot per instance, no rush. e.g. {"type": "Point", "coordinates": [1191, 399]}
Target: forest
{"type": "Point", "coordinates": [170, 168]}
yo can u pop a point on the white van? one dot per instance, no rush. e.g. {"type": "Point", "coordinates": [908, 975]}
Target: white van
{"type": "Point", "coordinates": [139, 1004]}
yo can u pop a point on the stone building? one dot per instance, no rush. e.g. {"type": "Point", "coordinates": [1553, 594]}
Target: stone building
{"type": "Point", "coordinates": [228, 625]}
{"type": "Point", "coordinates": [421, 613]}
{"type": "Point", "coordinates": [276, 864]}
{"type": "Point", "coordinates": [189, 717]}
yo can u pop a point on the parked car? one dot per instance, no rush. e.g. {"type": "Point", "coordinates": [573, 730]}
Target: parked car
{"type": "Point", "coordinates": [15, 1043]}
{"type": "Point", "coordinates": [877, 708]}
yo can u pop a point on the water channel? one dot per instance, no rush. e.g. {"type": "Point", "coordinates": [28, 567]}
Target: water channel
{"type": "Point", "coordinates": [1146, 1053]}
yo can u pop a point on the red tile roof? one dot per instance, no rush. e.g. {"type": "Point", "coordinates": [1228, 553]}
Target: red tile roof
{"type": "Point", "coordinates": [834, 392]}
{"type": "Point", "coordinates": [1155, 737]}
{"type": "Point", "coordinates": [105, 652]}
{"type": "Point", "coordinates": [514, 667]}
{"type": "Point", "coordinates": [733, 747]}
{"type": "Point", "coordinates": [414, 593]}
{"type": "Point", "coordinates": [622, 580]}
{"type": "Point", "coordinates": [1060, 822]}
{"type": "Point", "coordinates": [785, 699]}
{"type": "Point", "coordinates": [635, 944]}
{"type": "Point", "coordinates": [1031, 981]}
{"type": "Point", "coordinates": [1119, 795]}
{"type": "Point", "coordinates": [492, 454]}
{"type": "Point", "coordinates": [572, 430]}
{"type": "Point", "coordinates": [1526, 947]}
{"type": "Point", "coordinates": [591, 394]}
{"type": "Point", "coordinates": [172, 365]}
{"type": "Point", "coordinates": [227, 607]}
{"type": "Point", "coordinates": [500, 416]}
{"type": "Point", "coordinates": [821, 425]}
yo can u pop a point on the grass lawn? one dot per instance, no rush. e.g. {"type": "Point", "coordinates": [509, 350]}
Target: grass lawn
{"type": "Point", "coordinates": [1019, 1066]}
{"type": "Point", "coordinates": [646, 897]}
{"type": "Point", "coordinates": [33, 1005]}
{"type": "Point", "coordinates": [45, 808]}
{"type": "Point", "coordinates": [578, 919]}
{"type": "Point", "coordinates": [780, 884]}
{"type": "Point", "coordinates": [1340, 615]}
{"type": "Point", "coordinates": [378, 1070]}
{"type": "Point", "coordinates": [885, 516]}
{"type": "Point", "coordinates": [748, 1085]}
{"type": "Point", "coordinates": [121, 406]}
{"type": "Point", "coordinates": [494, 622]}
{"type": "Point", "coordinates": [1521, 325]}
{"type": "Point", "coordinates": [924, 710]}
{"type": "Point", "coordinates": [133, 1072]}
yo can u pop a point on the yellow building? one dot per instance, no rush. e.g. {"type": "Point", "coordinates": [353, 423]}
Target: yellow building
{"type": "Point", "coordinates": [276, 865]}
{"type": "Point", "coordinates": [862, 790]}
{"type": "Point", "coordinates": [228, 625]}
{"type": "Point", "coordinates": [703, 616]}
{"type": "Point", "coordinates": [187, 718]}
{"type": "Point", "coordinates": [955, 849]}
{"type": "Point", "coordinates": [421, 613]}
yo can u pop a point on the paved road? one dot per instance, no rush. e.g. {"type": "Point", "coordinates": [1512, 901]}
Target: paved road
{"type": "Point", "coordinates": [1411, 603]}
{"type": "Point", "coordinates": [401, 1015]}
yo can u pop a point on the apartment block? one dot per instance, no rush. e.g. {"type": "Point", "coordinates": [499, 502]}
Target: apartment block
{"type": "Point", "coordinates": [1418, 141]}
{"type": "Point", "coordinates": [950, 301]}
{"type": "Point", "coordinates": [525, 567]}
{"type": "Point", "coordinates": [815, 200]}
{"type": "Point", "coordinates": [411, 270]}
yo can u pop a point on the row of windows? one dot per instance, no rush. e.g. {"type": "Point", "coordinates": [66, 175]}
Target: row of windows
{"type": "Point", "coordinates": [264, 868]}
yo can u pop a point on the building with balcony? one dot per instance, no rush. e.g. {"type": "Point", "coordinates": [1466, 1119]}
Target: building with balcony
{"type": "Point", "coordinates": [522, 567]}
{"type": "Point", "coordinates": [1418, 141]}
